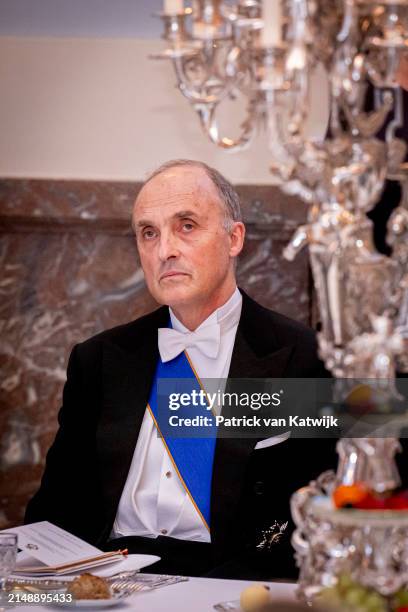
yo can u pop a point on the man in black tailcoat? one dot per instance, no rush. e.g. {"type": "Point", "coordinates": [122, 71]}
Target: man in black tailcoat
{"type": "Point", "coordinates": [108, 478]}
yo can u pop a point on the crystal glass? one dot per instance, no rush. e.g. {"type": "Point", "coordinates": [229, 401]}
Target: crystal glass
{"type": "Point", "coordinates": [8, 552]}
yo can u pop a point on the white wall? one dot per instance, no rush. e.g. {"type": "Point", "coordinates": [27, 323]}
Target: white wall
{"type": "Point", "coordinates": [81, 18]}
{"type": "Point", "coordinates": [98, 108]}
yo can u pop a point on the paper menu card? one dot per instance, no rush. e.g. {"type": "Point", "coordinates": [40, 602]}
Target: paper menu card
{"type": "Point", "coordinates": [57, 550]}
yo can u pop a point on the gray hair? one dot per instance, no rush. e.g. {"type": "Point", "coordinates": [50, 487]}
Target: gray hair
{"type": "Point", "coordinates": [228, 196]}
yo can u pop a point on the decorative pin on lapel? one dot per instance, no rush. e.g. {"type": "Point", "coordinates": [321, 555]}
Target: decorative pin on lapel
{"type": "Point", "coordinates": [272, 535]}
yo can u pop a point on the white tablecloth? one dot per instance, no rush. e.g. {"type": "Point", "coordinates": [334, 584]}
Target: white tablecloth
{"type": "Point", "coordinates": [198, 594]}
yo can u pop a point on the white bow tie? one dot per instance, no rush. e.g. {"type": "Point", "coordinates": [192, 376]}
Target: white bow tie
{"type": "Point", "coordinates": [173, 342]}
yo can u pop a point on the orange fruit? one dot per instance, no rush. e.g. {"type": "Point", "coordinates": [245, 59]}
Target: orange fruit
{"type": "Point", "coordinates": [349, 495]}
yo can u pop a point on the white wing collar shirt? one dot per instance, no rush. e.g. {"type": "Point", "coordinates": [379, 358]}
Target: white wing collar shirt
{"type": "Point", "coordinates": [154, 501]}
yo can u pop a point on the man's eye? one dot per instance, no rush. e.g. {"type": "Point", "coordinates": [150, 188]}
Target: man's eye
{"type": "Point", "coordinates": [148, 234]}
{"type": "Point", "coordinates": [187, 226]}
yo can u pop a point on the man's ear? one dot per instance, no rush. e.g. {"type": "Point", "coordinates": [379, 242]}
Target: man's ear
{"type": "Point", "coordinates": [237, 236]}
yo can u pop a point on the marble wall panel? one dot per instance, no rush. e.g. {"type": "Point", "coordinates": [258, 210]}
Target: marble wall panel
{"type": "Point", "coordinates": [69, 269]}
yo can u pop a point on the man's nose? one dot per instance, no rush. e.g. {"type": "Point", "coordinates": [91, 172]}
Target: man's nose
{"type": "Point", "coordinates": [168, 246]}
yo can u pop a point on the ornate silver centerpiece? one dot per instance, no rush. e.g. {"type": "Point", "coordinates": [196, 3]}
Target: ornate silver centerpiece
{"type": "Point", "coordinates": [371, 547]}
{"type": "Point", "coordinates": [267, 52]}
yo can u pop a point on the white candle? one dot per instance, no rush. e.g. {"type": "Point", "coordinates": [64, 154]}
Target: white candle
{"type": "Point", "coordinates": [271, 33]}
{"type": "Point", "coordinates": [173, 7]}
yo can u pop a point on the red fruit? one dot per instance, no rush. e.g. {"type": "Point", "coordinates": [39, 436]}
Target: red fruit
{"type": "Point", "coordinates": [402, 609]}
{"type": "Point", "coordinates": [370, 502]}
{"type": "Point", "coordinates": [398, 501]}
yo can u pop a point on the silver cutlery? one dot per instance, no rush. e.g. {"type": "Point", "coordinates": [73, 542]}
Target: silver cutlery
{"type": "Point", "coordinates": [126, 592]}
{"type": "Point", "coordinates": [122, 584]}
{"type": "Point", "coordinates": [148, 582]}
{"type": "Point", "coordinates": [52, 583]}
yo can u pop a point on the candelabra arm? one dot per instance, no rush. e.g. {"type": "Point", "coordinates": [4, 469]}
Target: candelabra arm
{"type": "Point", "coordinates": [349, 20]}
{"type": "Point", "coordinates": [299, 240]}
{"type": "Point", "coordinates": [206, 113]}
{"type": "Point", "coordinates": [398, 119]}
{"type": "Point", "coordinates": [208, 92]}
{"type": "Point", "coordinates": [368, 124]}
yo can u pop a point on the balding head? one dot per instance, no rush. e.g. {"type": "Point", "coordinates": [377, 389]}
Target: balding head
{"type": "Point", "coordinates": [228, 197]}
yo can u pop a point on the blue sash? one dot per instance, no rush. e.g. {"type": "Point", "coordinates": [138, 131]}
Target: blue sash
{"type": "Point", "coordinates": [192, 457]}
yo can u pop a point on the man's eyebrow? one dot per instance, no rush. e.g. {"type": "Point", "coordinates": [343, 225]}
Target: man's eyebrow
{"type": "Point", "coordinates": [178, 215]}
{"type": "Point", "coordinates": [143, 223]}
{"type": "Point", "coordinates": [185, 213]}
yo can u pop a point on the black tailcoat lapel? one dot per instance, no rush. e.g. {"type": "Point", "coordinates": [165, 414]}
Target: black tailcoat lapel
{"type": "Point", "coordinates": [257, 353]}
{"type": "Point", "coordinates": [127, 374]}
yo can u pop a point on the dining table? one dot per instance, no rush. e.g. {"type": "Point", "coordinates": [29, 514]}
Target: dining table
{"type": "Point", "coordinates": [196, 594]}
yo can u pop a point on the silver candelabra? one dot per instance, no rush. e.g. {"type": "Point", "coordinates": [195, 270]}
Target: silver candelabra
{"type": "Point", "coordinates": [267, 52]}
